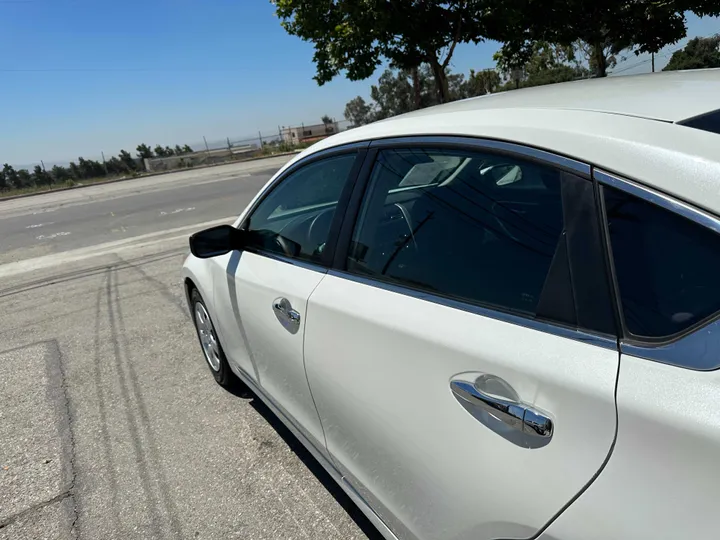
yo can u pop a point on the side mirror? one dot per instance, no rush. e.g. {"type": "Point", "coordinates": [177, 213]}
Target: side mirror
{"type": "Point", "coordinates": [216, 241]}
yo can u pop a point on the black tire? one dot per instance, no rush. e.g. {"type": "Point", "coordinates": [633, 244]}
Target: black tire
{"type": "Point", "coordinates": [223, 374]}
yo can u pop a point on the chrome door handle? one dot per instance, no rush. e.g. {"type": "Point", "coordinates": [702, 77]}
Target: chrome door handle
{"type": "Point", "coordinates": [285, 313]}
{"type": "Point", "coordinates": [534, 426]}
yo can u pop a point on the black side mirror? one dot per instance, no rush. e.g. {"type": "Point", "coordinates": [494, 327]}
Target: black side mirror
{"type": "Point", "coordinates": [216, 241]}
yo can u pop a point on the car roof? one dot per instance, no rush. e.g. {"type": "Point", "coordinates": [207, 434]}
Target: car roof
{"type": "Point", "coordinates": [669, 96]}
{"type": "Point", "coordinates": [624, 125]}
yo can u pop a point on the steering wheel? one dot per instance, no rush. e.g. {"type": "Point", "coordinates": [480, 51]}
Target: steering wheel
{"type": "Point", "coordinates": [317, 233]}
{"type": "Point", "coordinates": [288, 248]}
{"type": "Point", "coordinates": [408, 221]}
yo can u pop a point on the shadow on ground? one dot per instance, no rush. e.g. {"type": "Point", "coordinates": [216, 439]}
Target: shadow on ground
{"type": "Point", "coordinates": [240, 390]}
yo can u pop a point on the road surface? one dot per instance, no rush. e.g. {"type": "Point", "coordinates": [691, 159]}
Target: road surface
{"type": "Point", "coordinates": [110, 424]}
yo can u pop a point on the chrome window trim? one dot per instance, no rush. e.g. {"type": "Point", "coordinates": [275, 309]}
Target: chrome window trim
{"type": "Point", "coordinates": [493, 145]}
{"type": "Point", "coordinates": [604, 342]}
{"type": "Point", "coordinates": [657, 198]}
{"type": "Point", "coordinates": [315, 156]}
{"type": "Point", "coordinates": [307, 265]}
{"type": "Point", "coordinates": [700, 349]}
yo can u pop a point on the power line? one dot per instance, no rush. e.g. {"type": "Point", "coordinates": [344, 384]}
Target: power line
{"type": "Point", "coordinates": [119, 70]}
{"type": "Point", "coordinates": [676, 49]}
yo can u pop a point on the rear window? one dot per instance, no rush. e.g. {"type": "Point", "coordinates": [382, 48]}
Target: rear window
{"type": "Point", "coordinates": [667, 267]}
{"type": "Point", "coordinates": [706, 122]}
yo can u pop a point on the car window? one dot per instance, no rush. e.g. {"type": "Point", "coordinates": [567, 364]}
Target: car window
{"type": "Point", "coordinates": [294, 218]}
{"type": "Point", "coordinates": [487, 233]}
{"type": "Point", "coordinates": [666, 266]}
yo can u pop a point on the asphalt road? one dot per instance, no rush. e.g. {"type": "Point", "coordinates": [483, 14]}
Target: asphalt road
{"type": "Point", "coordinates": [111, 425]}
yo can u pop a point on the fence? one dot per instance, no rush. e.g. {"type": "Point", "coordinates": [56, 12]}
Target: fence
{"type": "Point", "coordinates": [217, 151]}
{"type": "Point", "coordinates": [206, 152]}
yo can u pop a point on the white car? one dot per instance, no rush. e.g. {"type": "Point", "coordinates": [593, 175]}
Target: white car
{"type": "Point", "coordinates": [496, 318]}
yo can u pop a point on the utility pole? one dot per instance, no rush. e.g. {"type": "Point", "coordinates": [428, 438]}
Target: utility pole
{"type": "Point", "coordinates": [207, 148]}
{"type": "Point", "coordinates": [43, 165]}
{"type": "Point", "coordinates": [260, 137]}
{"type": "Point", "coordinates": [652, 58]}
{"type": "Point", "coordinates": [104, 163]}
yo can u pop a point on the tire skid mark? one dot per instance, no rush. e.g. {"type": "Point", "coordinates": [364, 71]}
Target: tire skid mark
{"type": "Point", "coordinates": [102, 409]}
{"type": "Point", "coordinates": [149, 456]}
{"type": "Point", "coordinates": [133, 425]}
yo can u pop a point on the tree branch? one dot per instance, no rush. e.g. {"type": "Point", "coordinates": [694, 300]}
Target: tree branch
{"type": "Point", "coordinates": [455, 42]}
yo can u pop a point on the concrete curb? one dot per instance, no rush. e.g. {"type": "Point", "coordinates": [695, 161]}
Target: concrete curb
{"type": "Point", "coordinates": [148, 175]}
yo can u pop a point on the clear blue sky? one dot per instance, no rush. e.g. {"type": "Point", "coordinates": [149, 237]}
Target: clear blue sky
{"type": "Point", "coordinates": [81, 76]}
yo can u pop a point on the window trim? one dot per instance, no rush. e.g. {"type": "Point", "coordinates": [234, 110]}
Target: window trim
{"type": "Point", "coordinates": [685, 349]}
{"type": "Point", "coordinates": [360, 149]}
{"type": "Point", "coordinates": [562, 163]}
{"type": "Point", "coordinates": [529, 153]}
{"type": "Point", "coordinates": [548, 327]}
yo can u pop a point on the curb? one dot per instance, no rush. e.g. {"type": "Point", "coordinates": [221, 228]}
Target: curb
{"type": "Point", "coordinates": [148, 175]}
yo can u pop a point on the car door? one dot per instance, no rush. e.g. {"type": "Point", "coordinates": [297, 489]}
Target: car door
{"type": "Point", "coordinates": [661, 481]}
{"type": "Point", "coordinates": [462, 354]}
{"type": "Point", "coordinates": [264, 288]}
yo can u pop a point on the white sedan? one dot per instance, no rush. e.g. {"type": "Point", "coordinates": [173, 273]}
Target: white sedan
{"type": "Point", "coordinates": [496, 318]}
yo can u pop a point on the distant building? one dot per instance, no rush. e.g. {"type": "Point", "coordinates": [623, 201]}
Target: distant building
{"type": "Point", "coordinates": [295, 135]}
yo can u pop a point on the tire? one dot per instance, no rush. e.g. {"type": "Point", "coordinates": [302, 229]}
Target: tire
{"type": "Point", "coordinates": [209, 343]}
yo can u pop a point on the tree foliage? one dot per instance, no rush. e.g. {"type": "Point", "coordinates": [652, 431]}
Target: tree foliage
{"type": "Point", "coordinates": [402, 91]}
{"type": "Point", "coordinates": [606, 27]}
{"type": "Point", "coordinates": [698, 53]}
{"type": "Point", "coordinates": [355, 37]}
{"type": "Point", "coordinates": [82, 169]}
{"type": "Point", "coordinates": [144, 151]}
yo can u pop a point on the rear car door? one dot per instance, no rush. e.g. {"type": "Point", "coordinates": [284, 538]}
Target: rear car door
{"type": "Point", "coordinates": [662, 481]}
{"type": "Point", "coordinates": [463, 354]}
{"type": "Point", "coordinates": [264, 290]}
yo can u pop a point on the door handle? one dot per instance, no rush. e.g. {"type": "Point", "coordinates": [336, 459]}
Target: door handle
{"type": "Point", "coordinates": [285, 313]}
{"type": "Point", "coordinates": [532, 427]}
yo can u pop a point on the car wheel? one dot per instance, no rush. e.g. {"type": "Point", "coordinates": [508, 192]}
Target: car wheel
{"type": "Point", "coordinates": [214, 354]}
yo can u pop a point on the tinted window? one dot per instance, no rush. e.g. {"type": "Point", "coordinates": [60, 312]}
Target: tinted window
{"type": "Point", "coordinates": [481, 228]}
{"type": "Point", "coordinates": [295, 218]}
{"type": "Point", "coordinates": [707, 122]}
{"type": "Point", "coordinates": [667, 267]}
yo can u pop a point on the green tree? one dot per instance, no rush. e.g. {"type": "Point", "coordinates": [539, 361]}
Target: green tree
{"type": "Point", "coordinates": [41, 177]}
{"type": "Point", "coordinates": [116, 166]}
{"type": "Point", "coordinates": [169, 151]}
{"type": "Point", "coordinates": [128, 160]}
{"type": "Point", "coordinates": [698, 53]}
{"type": "Point", "coordinates": [89, 168]}
{"type": "Point", "coordinates": [60, 174]}
{"type": "Point", "coordinates": [187, 150]}
{"type": "Point", "coordinates": [159, 151]}
{"type": "Point", "coordinates": [358, 112]}
{"type": "Point", "coordinates": [11, 176]}
{"type": "Point", "coordinates": [74, 170]}
{"type": "Point", "coordinates": [24, 178]}
{"type": "Point", "coordinates": [547, 64]}
{"type": "Point", "coordinates": [606, 26]}
{"type": "Point", "coordinates": [354, 37]}
{"type": "Point", "coordinates": [482, 82]}
{"type": "Point", "coordinates": [178, 150]}
{"type": "Point", "coordinates": [392, 95]}
{"type": "Point", "coordinates": [326, 119]}
{"type": "Point", "coordinates": [144, 151]}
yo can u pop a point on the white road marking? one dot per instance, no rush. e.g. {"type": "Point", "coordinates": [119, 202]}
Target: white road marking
{"type": "Point", "coordinates": [51, 236]}
{"type": "Point", "coordinates": [39, 225]}
{"type": "Point", "coordinates": [177, 211]}
{"type": "Point", "coordinates": [245, 175]}
{"type": "Point", "coordinates": [44, 211]}
{"type": "Point", "coordinates": [57, 259]}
